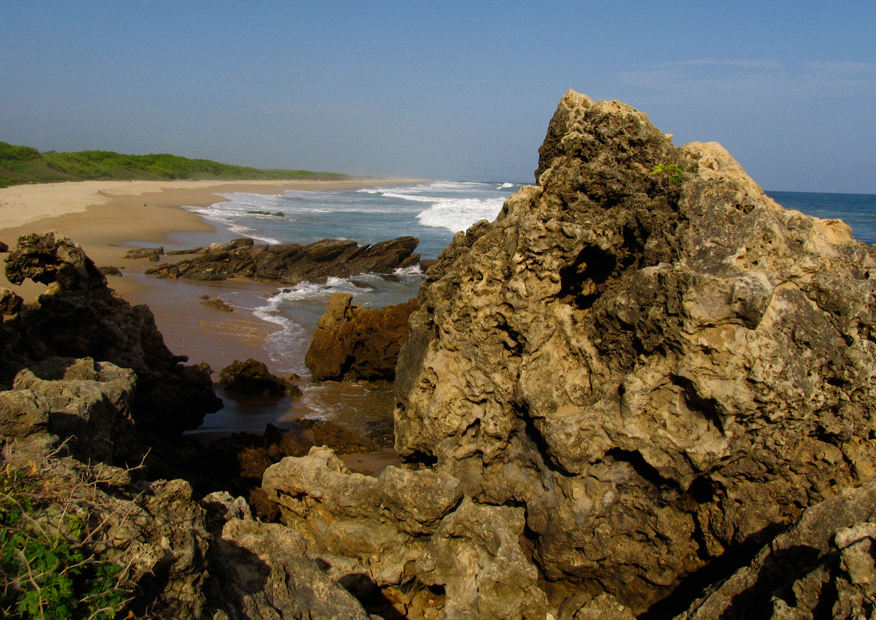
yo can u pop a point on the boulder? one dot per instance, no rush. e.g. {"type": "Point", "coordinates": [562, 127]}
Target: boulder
{"type": "Point", "coordinates": [79, 316]}
{"type": "Point", "coordinates": [252, 377]}
{"type": "Point", "coordinates": [353, 343]}
{"type": "Point", "coordinates": [10, 303]}
{"type": "Point", "coordinates": [84, 404]}
{"type": "Point", "coordinates": [409, 538]}
{"type": "Point", "coordinates": [291, 263]}
{"type": "Point", "coordinates": [654, 358]}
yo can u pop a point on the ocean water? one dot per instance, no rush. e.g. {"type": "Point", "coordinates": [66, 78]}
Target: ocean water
{"type": "Point", "coordinates": [431, 211]}
{"type": "Point", "coordinates": [856, 210]}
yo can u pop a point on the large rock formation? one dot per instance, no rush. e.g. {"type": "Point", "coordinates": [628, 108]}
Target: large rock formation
{"type": "Point", "coordinates": [355, 343]}
{"type": "Point", "coordinates": [79, 316]}
{"type": "Point", "coordinates": [647, 353]}
{"type": "Point", "coordinates": [289, 263]}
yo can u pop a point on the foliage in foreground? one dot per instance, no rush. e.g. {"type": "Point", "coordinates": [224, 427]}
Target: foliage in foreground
{"type": "Point", "coordinates": [47, 566]}
{"type": "Point", "coordinates": [24, 164]}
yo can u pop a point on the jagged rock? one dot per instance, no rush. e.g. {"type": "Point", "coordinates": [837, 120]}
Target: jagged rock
{"type": "Point", "coordinates": [475, 556]}
{"type": "Point", "coordinates": [352, 342]}
{"type": "Point", "coordinates": [823, 567]}
{"type": "Point", "coordinates": [252, 377]}
{"type": "Point", "coordinates": [263, 574]}
{"type": "Point", "coordinates": [86, 404]}
{"type": "Point", "coordinates": [659, 370]}
{"type": "Point", "coordinates": [410, 534]}
{"type": "Point", "coordinates": [291, 263]}
{"type": "Point", "coordinates": [10, 303]}
{"type": "Point", "coordinates": [78, 316]}
{"type": "Point", "coordinates": [55, 261]}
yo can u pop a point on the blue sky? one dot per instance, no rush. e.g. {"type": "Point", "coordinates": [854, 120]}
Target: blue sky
{"type": "Point", "coordinates": [455, 90]}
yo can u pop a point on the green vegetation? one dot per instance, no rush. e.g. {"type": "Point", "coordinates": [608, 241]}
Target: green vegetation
{"type": "Point", "coordinates": [46, 568]}
{"type": "Point", "coordinates": [670, 171]}
{"type": "Point", "coordinates": [23, 164]}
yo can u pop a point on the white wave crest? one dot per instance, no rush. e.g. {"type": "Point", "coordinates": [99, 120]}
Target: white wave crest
{"type": "Point", "coordinates": [456, 215]}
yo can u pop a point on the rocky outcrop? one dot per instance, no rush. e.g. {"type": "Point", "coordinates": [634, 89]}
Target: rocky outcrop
{"type": "Point", "coordinates": [79, 316]}
{"type": "Point", "coordinates": [290, 263]}
{"type": "Point", "coordinates": [252, 377]}
{"type": "Point", "coordinates": [82, 403]}
{"type": "Point", "coordinates": [647, 353]}
{"type": "Point", "coordinates": [823, 567]}
{"type": "Point", "coordinates": [354, 343]}
{"type": "Point", "coordinates": [410, 537]}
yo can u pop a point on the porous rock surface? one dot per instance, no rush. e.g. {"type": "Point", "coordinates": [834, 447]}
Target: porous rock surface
{"type": "Point", "coordinates": [657, 369]}
{"type": "Point", "coordinates": [352, 342]}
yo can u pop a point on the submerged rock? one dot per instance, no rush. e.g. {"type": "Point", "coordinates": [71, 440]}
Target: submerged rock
{"type": "Point", "coordinates": [291, 263]}
{"type": "Point", "coordinates": [354, 343]}
{"type": "Point", "coordinates": [649, 354]}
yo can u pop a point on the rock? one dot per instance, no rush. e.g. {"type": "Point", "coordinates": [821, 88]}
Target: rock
{"type": "Point", "coordinates": [109, 270]}
{"type": "Point", "coordinates": [3, 247]}
{"type": "Point", "coordinates": [53, 260]}
{"type": "Point", "coordinates": [261, 572]}
{"type": "Point", "coordinates": [823, 566]}
{"type": "Point", "coordinates": [659, 370]}
{"type": "Point", "coordinates": [78, 316]}
{"type": "Point", "coordinates": [152, 254]}
{"type": "Point", "coordinates": [82, 403]}
{"type": "Point", "coordinates": [291, 263]}
{"type": "Point", "coordinates": [341, 440]}
{"type": "Point", "coordinates": [218, 304]}
{"type": "Point", "coordinates": [352, 342]}
{"type": "Point", "coordinates": [10, 303]}
{"type": "Point", "coordinates": [252, 377]}
{"type": "Point", "coordinates": [409, 538]}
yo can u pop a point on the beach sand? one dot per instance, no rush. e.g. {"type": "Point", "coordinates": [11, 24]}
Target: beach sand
{"type": "Point", "coordinates": [107, 218]}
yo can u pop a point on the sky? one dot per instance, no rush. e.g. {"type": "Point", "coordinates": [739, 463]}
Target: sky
{"type": "Point", "coordinates": [442, 89]}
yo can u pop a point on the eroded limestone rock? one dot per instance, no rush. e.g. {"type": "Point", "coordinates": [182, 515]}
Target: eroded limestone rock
{"type": "Point", "coordinates": [658, 370]}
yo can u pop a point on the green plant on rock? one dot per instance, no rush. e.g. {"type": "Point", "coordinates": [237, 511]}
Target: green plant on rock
{"type": "Point", "coordinates": [47, 570]}
{"type": "Point", "coordinates": [669, 172]}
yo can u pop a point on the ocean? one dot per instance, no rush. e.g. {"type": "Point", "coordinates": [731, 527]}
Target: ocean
{"type": "Point", "coordinates": [431, 211]}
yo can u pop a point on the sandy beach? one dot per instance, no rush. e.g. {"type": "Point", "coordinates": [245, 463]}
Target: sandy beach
{"type": "Point", "coordinates": [105, 217]}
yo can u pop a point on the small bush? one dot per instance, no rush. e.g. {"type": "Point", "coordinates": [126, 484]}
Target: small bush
{"type": "Point", "coordinates": [47, 569]}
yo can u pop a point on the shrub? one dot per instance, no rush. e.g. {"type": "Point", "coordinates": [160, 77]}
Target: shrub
{"type": "Point", "coordinates": [47, 566]}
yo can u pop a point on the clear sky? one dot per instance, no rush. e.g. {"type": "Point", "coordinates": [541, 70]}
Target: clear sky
{"type": "Point", "coordinates": [442, 89]}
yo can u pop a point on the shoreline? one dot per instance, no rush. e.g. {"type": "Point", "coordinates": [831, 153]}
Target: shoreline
{"type": "Point", "coordinates": [107, 217]}
{"type": "Point", "coordinates": [123, 214]}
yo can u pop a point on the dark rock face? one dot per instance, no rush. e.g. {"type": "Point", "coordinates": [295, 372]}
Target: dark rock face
{"type": "Point", "coordinates": [252, 377]}
{"type": "Point", "coordinates": [354, 343]}
{"type": "Point", "coordinates": [658, 369]}
{"type": "Point", "coordinates": [86, 403]}
{"type": "Point", "coordinates": [290, 263]}
{"type": "Point", "coordinates": [78, 316]}
{"type": "Point", "coordinates": [823, 567]}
